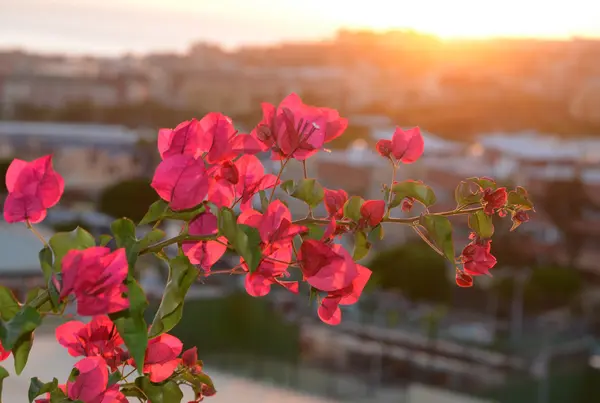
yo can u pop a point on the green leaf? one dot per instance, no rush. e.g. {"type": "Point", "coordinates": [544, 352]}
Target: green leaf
{"type": "Point", "coordinates": [247, 244]}
{"type": "Point", "coordinates": [227, 223]}
{"type": "Point", "coordinates": [58, 396]}
{"type": "Point", "coordinates": [156, 211]}
{"type": "Point", "coordinates": [114, 378]}
{"type": "Point", "coordinates": [151, 238]}
{"type": "Point", "coordinates": [159, 210]}
{"type": "Point", "coordinates": [482, 224]}
{"type": "Point", "coordinates": [315, 231]}
{"type": "Point", "coordinates": [484, 182]}
{"type": "Point", "coordinates": [376, 234]}
{"type": "Point", "coordinates": [63, 242]}
{"type": "Point", "coordinates": [21, 351]}
{"type": "Point", "coordinates": [38, 388]}
{"type": "Point", "coordinates": [352, 208]}
{"type": "Point", "coordinates": [415, 189]}
{"type": "Point", "coordinates": [264, 202]}
{"type": "Point", "coordinates": [467, 192]}
{"type": "Point", "coordinates": [33, 294]}
{"type": "Point", "coordinates": [133, 391]}
{"type": "Point", "coordinates": [309, 191]}
{"type": "Point", "coordinates": [25, 321]}
{"type": "Point", "coordinates": [124, 231]}
{"type": "Point", "coordinates": [520, 198]}
{"type": "Point", "coordinates": [46, 259]}
{"type": "Point", "coordinates": [181, 276]}
{"type": "Point", "coordinates": [288, 186]}
{"type": "Point", "coordinates": [361, 245]}
{"type": "Point", "coordinates": [131, 324]}
{"type": "Point", "coordinates": [54, 293]}
{"type": "Point", "coordinates": [167, 392]}
{"type": "Point", "coordinates": [439, 229]}
{"type": "Point", "coordinates": [105, 239]}
{"type": "Point", "coordinates": [3, 375]}
{"type": "Point", "coordinates": [9, 305]}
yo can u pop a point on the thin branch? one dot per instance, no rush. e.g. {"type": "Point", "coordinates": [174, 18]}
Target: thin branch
{"type": "Point", "coordinates": [389, 201]}
{"type": "Point", "coordinates": [283, 164]}
{"type": "Point", "coordinates": [37, 234]}
{"type": "Point", "coordinates": [427, 241]}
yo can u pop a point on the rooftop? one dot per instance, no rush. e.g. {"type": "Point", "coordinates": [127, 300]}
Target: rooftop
{"type": "Point", "coordinates": [94, 133]}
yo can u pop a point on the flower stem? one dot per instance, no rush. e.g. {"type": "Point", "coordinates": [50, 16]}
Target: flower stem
{"type": "Point", "coordinates": [36, 233]}
{"type": "Point", "coordinates": [283, 164]}
{"type": "Point", "coordinates": [389, 201]}
{"type": "Point", "coordinates": [427, 241]}
{"type": "Point", "coordinates": [157, 247]}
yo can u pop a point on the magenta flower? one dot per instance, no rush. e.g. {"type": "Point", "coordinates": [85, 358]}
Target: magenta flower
{"type": "Point", "coordinates": [33, 187]}
{"type": "Point", "coordinates": [181, 180]}
{"type": "Point", "coordinates": [161, 357]}
{"type": "Point", "coordinates": [372, 212]}
{"type": "Point", "coordinates": [326, 267]}
{"type": "Point", "coordinates": [252, 179]}
{"type": "Point", "coordinates": [95, 276]}
{"type": "Point", "coordinates": [334, 202]}
{"type": "Point", "coordinates": [204, 253]}
{"type": "Point", "coordinates": [91, 385]}
{"type": "Point", "coordinates": [406, 145]}
{"type": "Point", "coordinates": [97, 338]}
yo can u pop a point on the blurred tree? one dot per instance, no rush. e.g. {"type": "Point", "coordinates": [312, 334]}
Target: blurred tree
{"type": "Point", "coordinates": [129, 198]}
{"type": "Point", "coordinates": [413, 270]}
{"type": "Point", "coordinates": [3, 168]}
{"type": "Point", "coordinates": [565, 202]}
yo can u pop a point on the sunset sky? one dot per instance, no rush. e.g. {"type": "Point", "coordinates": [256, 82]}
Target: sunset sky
{"type": "Point", "coordinates": [116, 26]}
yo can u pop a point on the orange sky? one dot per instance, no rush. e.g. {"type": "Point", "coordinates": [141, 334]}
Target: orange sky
{"type": "Point", "coordinates": [110, 26]}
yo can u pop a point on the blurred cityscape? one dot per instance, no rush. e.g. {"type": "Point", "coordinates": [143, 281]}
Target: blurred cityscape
{"type": "Point", "coordinates": [524, 112]}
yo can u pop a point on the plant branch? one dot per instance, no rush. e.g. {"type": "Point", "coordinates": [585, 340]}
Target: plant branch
{"type": "Point", "coordinates": [157, 247]}
{"type": "Point", "coordinates": [283, 164]}
{"type": "Point", "coordinates": [389, 201]}
{"type": "Point", "coordinates": [427, 241]}
{"type": "Point", "coordinates": [36, 233]}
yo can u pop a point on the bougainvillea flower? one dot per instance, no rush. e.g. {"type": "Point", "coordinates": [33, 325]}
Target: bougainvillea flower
{"type": "Point", "coordinates": [463, 279]}
{"type": "Point", "coordinates": [519, 218]}
{"type": "Point", "coordinates": [252, 179]}
{"type": "Point", "coordinates": [372, 212]}
{"type": "Point", "coordinates": [477, 258]}
{"type": "Point", "coordinates": [407, 145]}
{"type": "Point", "coordinates": [329, 310]}
{"type": "Point", "coordinates": [493, 200]}
{"type": "Point", "coordinates": [334, 202]}
{"type": "Point", "coordinates": [204, 253]}
{"type": "Point", "coordinates": [407, 204]}
{"type": "Point", "coordinates": [189, 358]}
{"type": "Point", "coordinates": [272, 269]}
{"type": "Point", "coordinates": [326, 267]}
{"type": "Point", "coordinates": [91, 382]}
{"type": "Point", "coordinates": [33, 187]}
{"type": "Point", "coordinates": [181, 180]}
{"type": "Point", "coordinates": [296, 130]}
{"type": "Point", "coordinates": [3, 353]}
{"type": "Point", "coordinates": [384, 148]}
{"type": "Point", "coordinates": [185, 139]}
{"type": "Point", "coordinates": [95, 276]}
{"type": "Point", "coordinates": [161, 357]}
{"type": "Point", "coordinates": [99, 337]}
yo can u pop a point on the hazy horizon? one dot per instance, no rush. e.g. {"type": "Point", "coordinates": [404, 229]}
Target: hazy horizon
{"type": "Point", "coordinates": [114, 27]}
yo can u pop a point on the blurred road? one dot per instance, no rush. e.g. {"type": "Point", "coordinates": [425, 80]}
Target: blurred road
{"type": "Point", "coordinates": [48, 359]}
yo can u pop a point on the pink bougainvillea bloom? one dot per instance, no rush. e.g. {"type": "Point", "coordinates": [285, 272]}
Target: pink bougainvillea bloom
{"type": "Point", "coordinates": [204, 253]}
{"type": "Point", "coordinates": [476, 257]}
{"type": "Point", "coordinates": [3, 353]}
{"type": "Point", "coordinates": [407, 204]}
{"type": "Point", "coordinates": [463, 279]}
{"type": "Point", "coordinates": [372, 211]}
{"type": "Point", "coordinates": [271, 270]}
{"type": "Point", "coordinates": [384, 148]}
{"type": "Point", "coordinates": [252, 179]}
{"type": "Point", "coordinates": [189, 358]}
{"type": "Point", "coordinates": [185, 139]}
{"type": "Point", "coordinates": [334, 202]}
{"type": "Point", "coordinates": [407, 145]}
{"type": "Point", "coordinates": [95, 276]}
{"type": "Point", "coordinates": [326, 267]}
{"type": "Point", "coordinates": [519, 218]}
{"type": "Point", "coordinates": [99, 337]}
{"type": "Point", "coordinates": [329, 310]}
{"type": "Point", "coordinates": [181, 180]}
{"type": "Point", "coordinates": [161, 357]}
{"type": "Point", "coordinates": [33, 187]}
{"type": "Point", "coordinates": [493, 200]}
{"type": "Point", "coordinates": [296, 130]}
{"type": "Point", "coordinates": [90, 385]}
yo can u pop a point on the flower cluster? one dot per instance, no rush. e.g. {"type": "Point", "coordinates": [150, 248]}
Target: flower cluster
{"type": "Point", "coordinates": [210, 178]}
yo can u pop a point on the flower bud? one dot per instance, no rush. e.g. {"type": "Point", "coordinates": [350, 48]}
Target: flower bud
{"type": "Point", "coordinates": [384, 148]}
{"type": "Point", "coordinates": [463, 279]}
{"type": "Point", "coordinates": [407, 204]}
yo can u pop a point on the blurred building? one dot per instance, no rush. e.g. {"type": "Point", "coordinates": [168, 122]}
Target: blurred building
{"type": "Point", "coordinates": [88, 156]}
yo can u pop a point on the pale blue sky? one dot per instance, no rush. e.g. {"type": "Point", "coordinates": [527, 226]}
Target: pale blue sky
{"type": "Point", "coordinates": [116, 26]}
